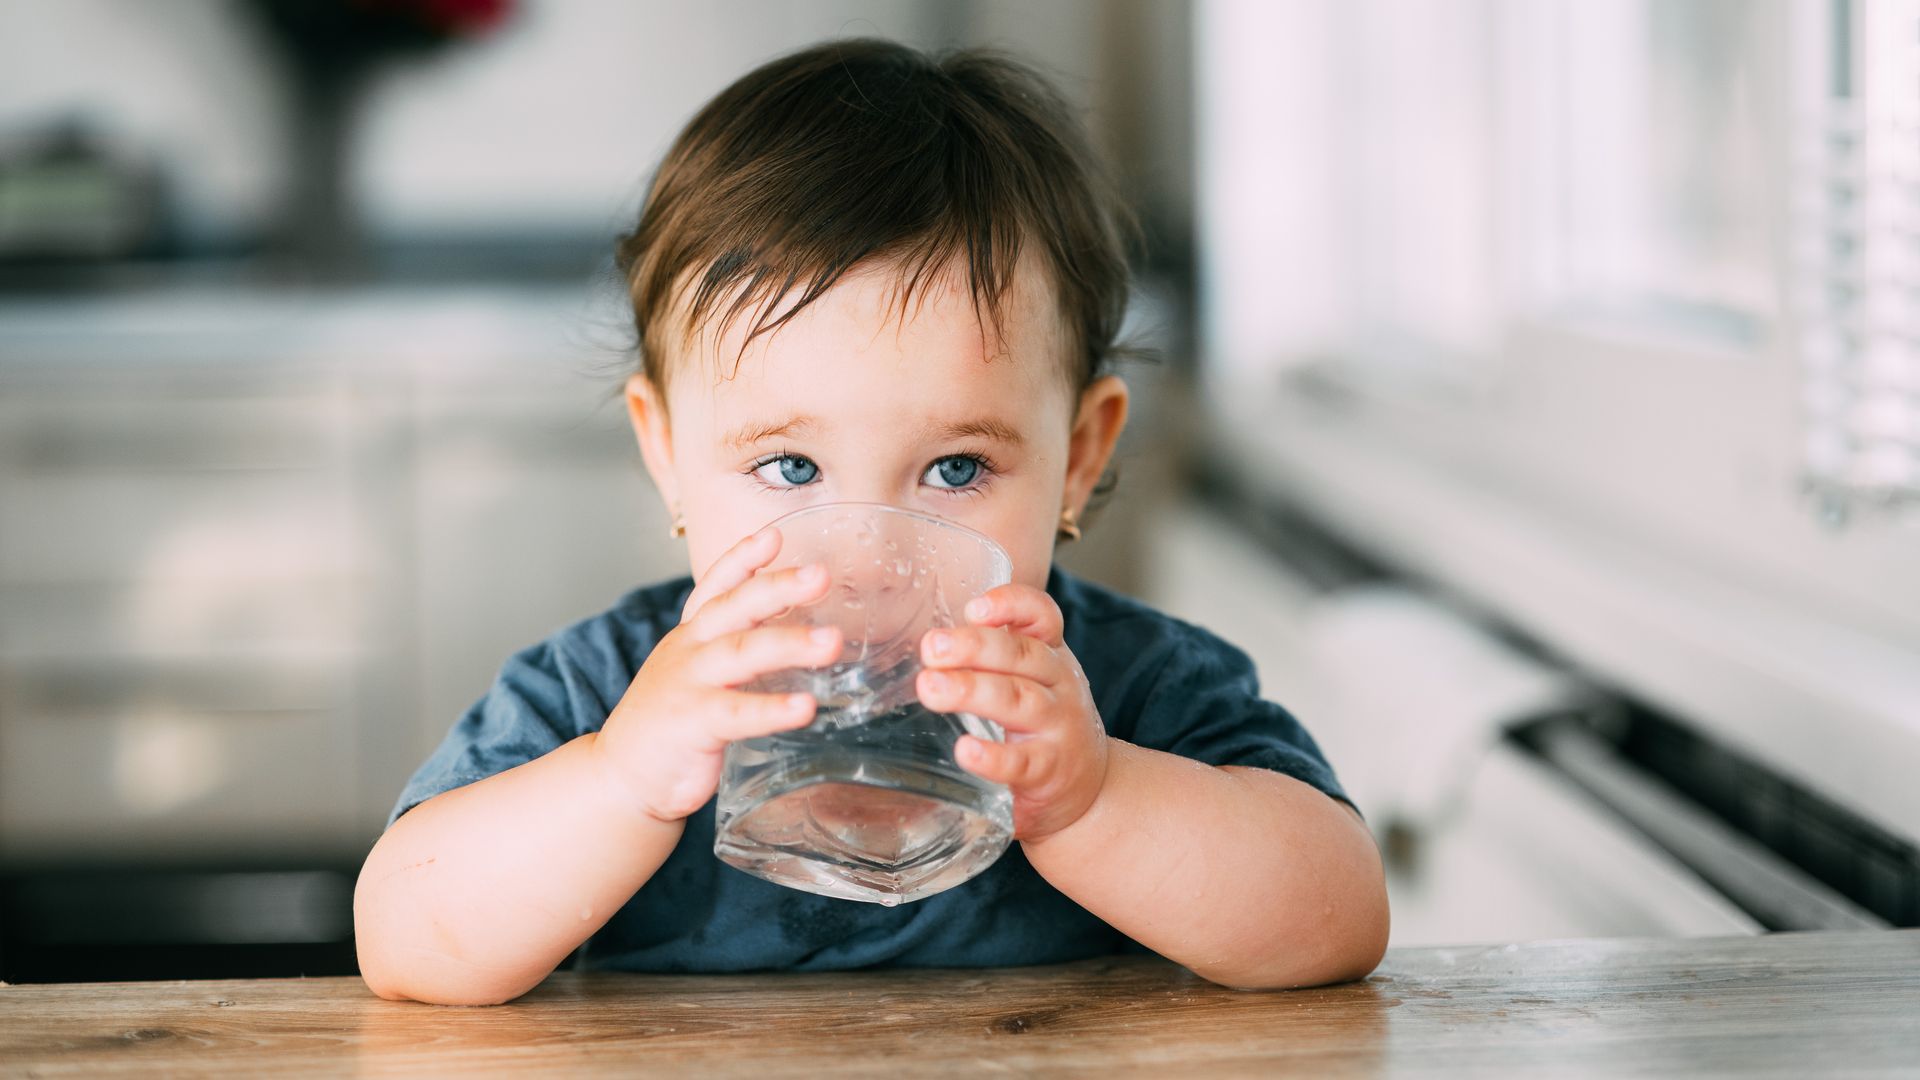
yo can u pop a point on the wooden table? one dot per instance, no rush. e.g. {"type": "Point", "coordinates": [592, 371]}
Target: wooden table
{"type": "Point", "coordinates": [1784, 1005]}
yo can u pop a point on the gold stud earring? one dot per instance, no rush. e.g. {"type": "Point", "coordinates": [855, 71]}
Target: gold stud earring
{"type": "Point", "coordinates": [679, 528]}
{"type": "Point", "coordinates": [1069, 529]}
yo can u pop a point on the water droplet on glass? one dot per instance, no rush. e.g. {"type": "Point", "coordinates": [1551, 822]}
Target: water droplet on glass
{"type": "Point", "coordinates": [902, 567]}
{"type": "Point", "coordinates": [852, 602]}
{"type": "Point", "coordinates": [865, 539]}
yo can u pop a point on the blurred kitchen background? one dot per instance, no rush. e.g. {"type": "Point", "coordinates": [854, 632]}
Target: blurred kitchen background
{"type": "Point", "coordinates": [1538, 404]}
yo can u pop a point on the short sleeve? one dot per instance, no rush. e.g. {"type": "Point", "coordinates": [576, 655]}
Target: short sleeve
{"type": "Point", "coordinates": [534, 705]}
{"type": "Point", "coordinates": [1205, 704]}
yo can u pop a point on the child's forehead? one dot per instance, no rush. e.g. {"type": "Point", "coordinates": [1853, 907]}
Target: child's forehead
{"type": "Point", "coordinates": [881, 308]}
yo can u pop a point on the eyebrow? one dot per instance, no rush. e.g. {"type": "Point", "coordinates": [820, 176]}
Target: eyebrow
{"type": "Point", "coordinates": [760, 431]}
{"type": "Point", "coordinates": [985, 428]}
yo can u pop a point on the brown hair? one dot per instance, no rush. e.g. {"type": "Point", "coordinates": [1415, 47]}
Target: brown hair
{"type": "Point", "coordinates": [864, 149]}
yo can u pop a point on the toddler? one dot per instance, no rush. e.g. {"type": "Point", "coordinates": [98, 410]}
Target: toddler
{"type": "Point", "coordinates": [867, 274]}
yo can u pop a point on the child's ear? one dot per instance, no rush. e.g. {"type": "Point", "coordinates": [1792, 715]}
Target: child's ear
{"type": "Point", "coordinates": [1097, 423]}
{"type": "Point", "coordinates": [651, 429]}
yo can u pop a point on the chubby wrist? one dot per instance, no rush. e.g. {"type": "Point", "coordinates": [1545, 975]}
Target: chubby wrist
{"type": "Point", "coordinates": [1118, 759]}
{"type": "Point", "coordinates": [616, 790]}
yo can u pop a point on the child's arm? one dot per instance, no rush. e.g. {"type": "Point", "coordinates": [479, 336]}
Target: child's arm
{"type": "Point", "coordinates": [1248, 877]}
{"type": "Point", "coordinates": [475, 895]}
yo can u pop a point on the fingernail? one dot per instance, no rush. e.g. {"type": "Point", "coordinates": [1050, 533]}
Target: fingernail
{"type": "Point", "coordinates": [938, 644]}
{"type": "Point", "coordinates": [937, 682]}
{"type": "Point", "coordinates": [813, 573]}
{"type": "Point", "coordinates": [824, 635]}
{"type": "Point", "coordinates": [796, 702]}
{"type": "Point", "coordinates": [977, 607]}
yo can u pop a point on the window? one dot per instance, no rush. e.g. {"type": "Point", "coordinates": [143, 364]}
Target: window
{"type": "Point", "coordinates": [1663, 119]}
{"type": "Point", "coordinates": [1857, 253]}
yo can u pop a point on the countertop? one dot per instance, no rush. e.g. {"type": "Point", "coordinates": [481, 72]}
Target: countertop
{"type": "Point", "coordinates": [1783, 1004]}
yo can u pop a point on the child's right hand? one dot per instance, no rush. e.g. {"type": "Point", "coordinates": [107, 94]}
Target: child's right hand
{"type": "Point", "coordinates": [664, 740]}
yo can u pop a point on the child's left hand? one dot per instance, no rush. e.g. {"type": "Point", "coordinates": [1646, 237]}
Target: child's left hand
{"type": "Point", "coordinates": [1012, 667]}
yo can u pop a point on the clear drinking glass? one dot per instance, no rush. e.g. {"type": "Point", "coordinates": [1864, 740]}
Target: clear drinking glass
{"type": "Point", "coordinates": [867, 802]}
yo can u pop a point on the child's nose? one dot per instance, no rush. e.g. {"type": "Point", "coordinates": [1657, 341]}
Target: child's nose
{"type": "Point", "coordinates": [876, 491]}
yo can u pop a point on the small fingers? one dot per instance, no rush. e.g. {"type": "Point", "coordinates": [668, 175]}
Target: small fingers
{"type": "Point", "coordinates": [1020, 608]}
{"type": "Point", "coordinates": [734, 566]}
{"type": "Point", "coordinates": [737, 715]}
{"type": "Point", "coordinates": [1019, 765]}
{"type": "Point", "coordinates": [1015, 703]}
{"type": "Point", "coordinates": [992, 649]}
{"type": "Point", "coordinates": [747, 654]}
{"type": "Point", "coordinates": [759, 598]}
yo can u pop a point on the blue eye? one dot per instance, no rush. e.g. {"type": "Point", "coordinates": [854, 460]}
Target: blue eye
{"type": "Point", "coordinates": [798, 470]}
{"type": "Point", "coordinates": [954, 472]}
{"type": "Point", "coordinates": [794, 471]}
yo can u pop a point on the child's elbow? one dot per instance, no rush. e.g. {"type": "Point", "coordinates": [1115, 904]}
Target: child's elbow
{"type": "Point", "coordinates": [401, 973]}
{"type": "Point", "coordinates": [398, 971]}
{"type": "Point", "coordinates": [383, 984]}
{"type": "Point", "coordinates": [1364, 948]}
{"type": "Point", "coordinates": [1342, 949]}
{"type": "Point", "coordinates": [1348, 962]}
{"type": "Point", "coordinates": [429, 994]}
{"type": "Point", "coordinates": [1366, 943]}
{"type": "Point", "coordinates": [437, 983]}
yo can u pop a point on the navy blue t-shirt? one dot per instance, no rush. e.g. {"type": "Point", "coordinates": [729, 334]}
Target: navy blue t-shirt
{"type": "Point", "coordinates": [1158, 682]}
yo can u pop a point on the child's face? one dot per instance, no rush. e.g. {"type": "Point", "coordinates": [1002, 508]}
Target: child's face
{"type": "Point", "coordinates": [922, 412]}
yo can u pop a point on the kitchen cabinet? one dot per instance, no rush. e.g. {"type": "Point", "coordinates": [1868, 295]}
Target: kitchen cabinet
{"type": "Point", "coordinates": [259, 548]}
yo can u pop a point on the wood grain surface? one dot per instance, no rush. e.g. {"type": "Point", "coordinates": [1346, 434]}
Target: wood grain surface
{"type": "Point", "coordinates": [1779, 1005]}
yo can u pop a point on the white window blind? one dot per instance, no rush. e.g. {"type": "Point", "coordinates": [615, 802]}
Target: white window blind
{"type": "Point", "coordinates": [1858, 231]}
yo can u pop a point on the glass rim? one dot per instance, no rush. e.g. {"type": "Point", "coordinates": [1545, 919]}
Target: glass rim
{"type": "Point", "coordinates": [992, 545]}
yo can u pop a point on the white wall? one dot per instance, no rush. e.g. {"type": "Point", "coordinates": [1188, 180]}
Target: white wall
{"type": "Point", "coordinates": [1553, 262]}
{"type": "Point", "coordinates": [559, 119]}
{"type": "Point", "coordinates": [182, 81]}
{"type": "Point", "coordinates": [552, 121]}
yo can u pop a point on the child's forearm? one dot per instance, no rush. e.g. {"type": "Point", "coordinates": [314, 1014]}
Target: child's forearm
{"type": "Point", "coordinates": [1247, 877]}
{"type": "Point", "coordinates": [476, 895]}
